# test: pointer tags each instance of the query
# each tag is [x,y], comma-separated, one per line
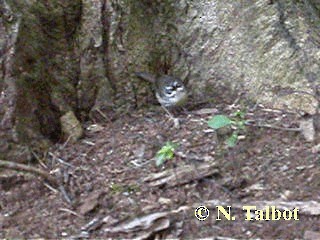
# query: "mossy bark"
[42,68]
[45,68]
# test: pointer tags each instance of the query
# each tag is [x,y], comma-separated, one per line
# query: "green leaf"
[165,153]
[232,140]
[241,125]
[240,114]
[219,121]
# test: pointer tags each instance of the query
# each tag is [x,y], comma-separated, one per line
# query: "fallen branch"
[274,127]
[29,169]
[181,175]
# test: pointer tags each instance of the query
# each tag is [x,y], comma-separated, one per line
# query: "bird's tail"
[146,76]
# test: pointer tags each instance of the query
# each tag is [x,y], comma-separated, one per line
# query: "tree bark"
[59,56]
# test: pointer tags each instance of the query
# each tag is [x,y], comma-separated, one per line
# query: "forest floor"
[113,188]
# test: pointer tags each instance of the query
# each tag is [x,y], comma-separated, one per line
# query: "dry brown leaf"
[90,203]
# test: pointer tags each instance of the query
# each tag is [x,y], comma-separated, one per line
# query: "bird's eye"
[168,91]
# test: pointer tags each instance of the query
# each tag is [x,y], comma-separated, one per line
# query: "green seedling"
[165,153]
[237,122]
[118,188]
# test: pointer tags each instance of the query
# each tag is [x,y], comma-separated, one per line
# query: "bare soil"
[103,175]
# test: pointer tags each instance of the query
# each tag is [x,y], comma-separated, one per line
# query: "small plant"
[165,153]
[118,188]
[236,122]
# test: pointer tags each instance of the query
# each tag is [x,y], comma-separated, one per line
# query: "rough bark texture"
[94,88]
[266,49]
[59,56]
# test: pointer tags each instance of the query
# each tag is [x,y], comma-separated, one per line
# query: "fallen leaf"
[90,203]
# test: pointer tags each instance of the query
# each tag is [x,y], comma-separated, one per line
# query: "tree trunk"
[60,56]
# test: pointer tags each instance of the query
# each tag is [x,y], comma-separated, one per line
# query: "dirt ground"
[108,192]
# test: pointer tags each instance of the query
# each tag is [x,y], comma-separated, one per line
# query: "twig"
[50,188]
[102,114]
[275,127]
[65,143]
[29,169]
[71,212]
[65,194]
[39,160]
[60,160]
[276,110]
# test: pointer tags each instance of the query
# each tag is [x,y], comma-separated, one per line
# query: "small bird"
[170,91]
